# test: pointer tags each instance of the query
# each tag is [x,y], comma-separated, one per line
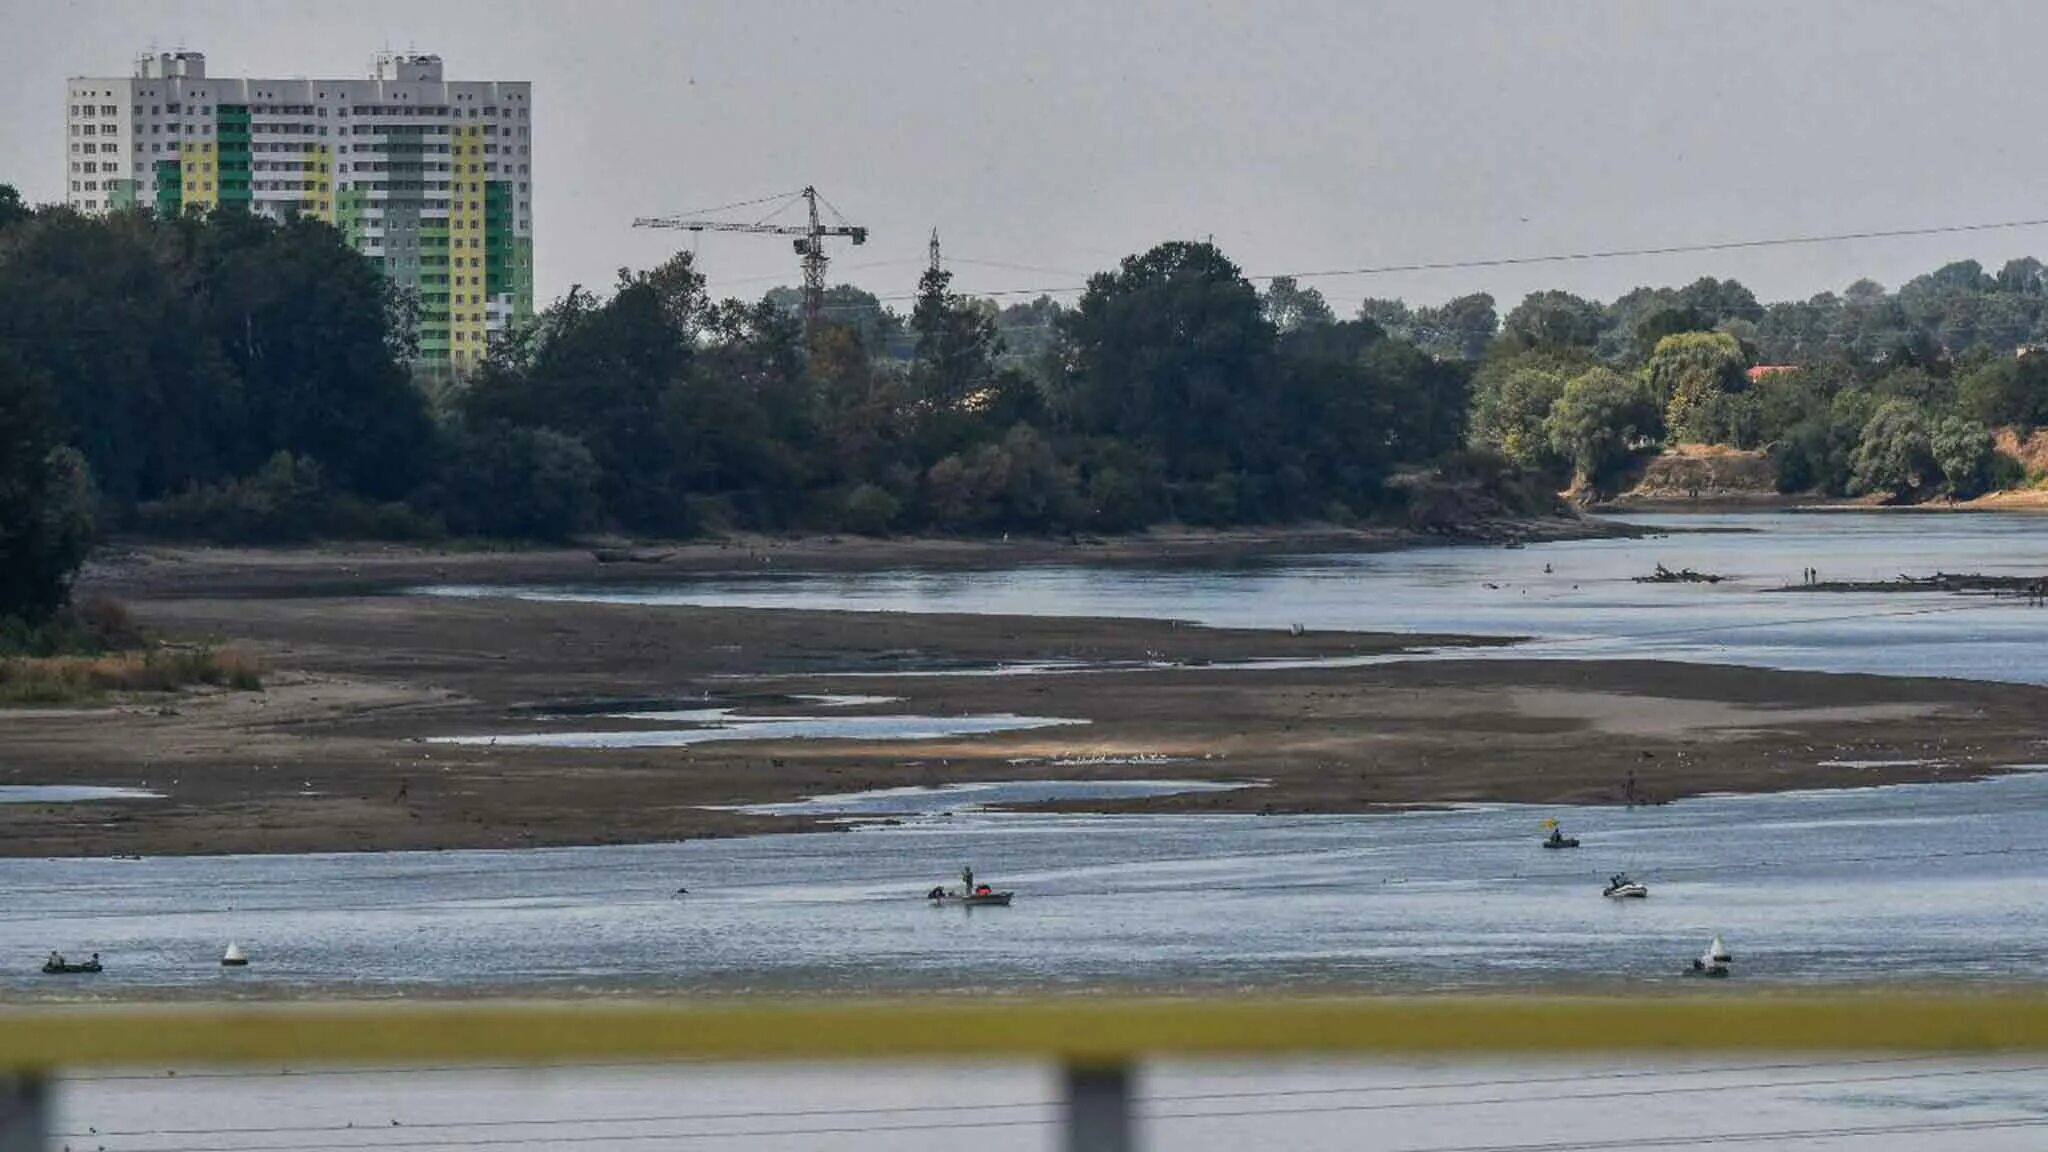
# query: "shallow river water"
[1587,605]
[1912,882]
[1942,881]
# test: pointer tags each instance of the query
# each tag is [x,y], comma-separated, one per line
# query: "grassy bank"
[80,679]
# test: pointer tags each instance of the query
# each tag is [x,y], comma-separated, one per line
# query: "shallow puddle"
[920,801]
[70,794]
[720,724]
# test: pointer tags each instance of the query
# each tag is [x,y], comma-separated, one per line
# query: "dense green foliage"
[1598,417]
[45,497]
[223,377]
[1169,391]
[1892,395]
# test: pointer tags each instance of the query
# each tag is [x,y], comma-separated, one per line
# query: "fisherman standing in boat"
[967,881]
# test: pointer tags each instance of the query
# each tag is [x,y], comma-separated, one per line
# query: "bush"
[1894,456]
[94,626]
[69,679]
[869,509]
[504,480]
[1964,453]
[1597,421]
[287,501]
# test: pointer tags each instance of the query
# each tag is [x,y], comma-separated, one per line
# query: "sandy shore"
[335,753]
[158,570]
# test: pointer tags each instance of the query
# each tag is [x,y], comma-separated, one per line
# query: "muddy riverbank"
[339,753]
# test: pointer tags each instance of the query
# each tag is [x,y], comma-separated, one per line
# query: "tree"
[1555,319]
[878,326]
[301,319]
[2007,392]
[1173,350]
[1964,453]
[1894,457]
[1509,413]
[1393,317]
[45,498]
[1459,328]
[1290,306]
[511,481]
[1597,421]
[12,210]
[1687,373]
[957,344]
[601,372]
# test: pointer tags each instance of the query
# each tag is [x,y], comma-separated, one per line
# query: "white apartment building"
[430,178]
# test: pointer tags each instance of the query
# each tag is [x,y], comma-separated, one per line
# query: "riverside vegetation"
[223,377]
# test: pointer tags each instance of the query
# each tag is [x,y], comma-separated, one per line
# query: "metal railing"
[1098,1040]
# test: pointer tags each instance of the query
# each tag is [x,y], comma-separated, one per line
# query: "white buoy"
[234,957]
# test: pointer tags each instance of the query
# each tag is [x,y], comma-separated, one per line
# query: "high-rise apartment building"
[430,178]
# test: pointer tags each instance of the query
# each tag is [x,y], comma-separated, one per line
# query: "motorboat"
[1620,887]
[234,957]
[1557,839]
[982,896]
[58,966]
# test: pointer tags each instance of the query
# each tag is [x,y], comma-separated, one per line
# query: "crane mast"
[809,243]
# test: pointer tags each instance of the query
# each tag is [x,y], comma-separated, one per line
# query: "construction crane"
[810,237]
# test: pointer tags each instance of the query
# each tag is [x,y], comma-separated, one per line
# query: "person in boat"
[984,890]
[967,879]
[938,893]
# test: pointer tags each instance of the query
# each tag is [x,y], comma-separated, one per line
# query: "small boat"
[981,897]
[1714,962]
[58,966]
[234,957]
[1623,888]
[1558,839]
[1717,952]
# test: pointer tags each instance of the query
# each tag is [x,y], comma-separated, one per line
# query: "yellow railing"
[1096,1038]
[1073,1029]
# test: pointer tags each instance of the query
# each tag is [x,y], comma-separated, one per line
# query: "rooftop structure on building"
[428,177]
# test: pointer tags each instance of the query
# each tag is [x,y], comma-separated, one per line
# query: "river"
[1936,881]
[1576,599]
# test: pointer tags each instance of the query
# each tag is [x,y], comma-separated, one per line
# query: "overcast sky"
[1058,135]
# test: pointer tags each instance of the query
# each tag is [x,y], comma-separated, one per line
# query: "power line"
[1665,250]
[1566,257]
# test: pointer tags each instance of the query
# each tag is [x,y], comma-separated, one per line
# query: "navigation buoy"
[234,957]
[1715,961]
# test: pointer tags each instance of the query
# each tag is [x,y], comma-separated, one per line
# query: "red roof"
[1762,370]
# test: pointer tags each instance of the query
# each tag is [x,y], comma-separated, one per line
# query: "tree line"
[1869,393]
[226,377]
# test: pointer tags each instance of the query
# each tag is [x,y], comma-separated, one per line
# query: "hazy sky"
[1058,135]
